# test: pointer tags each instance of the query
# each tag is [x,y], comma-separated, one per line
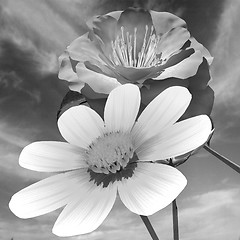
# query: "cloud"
[96,235]
[10,80]
[209,215]
[18,32]
[10,136]
[213,215]
[226,52]
[48,25]
[226,73]
[29,100]
[44,28]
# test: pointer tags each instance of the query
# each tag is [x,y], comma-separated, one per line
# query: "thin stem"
[231,164]
[149,227]
[175,220]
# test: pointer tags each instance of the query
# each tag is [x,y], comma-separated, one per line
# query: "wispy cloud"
[226,73]
[213,215]
[226,52]
[45,31]
[11,136]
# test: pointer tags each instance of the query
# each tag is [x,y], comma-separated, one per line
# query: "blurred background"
[32,36]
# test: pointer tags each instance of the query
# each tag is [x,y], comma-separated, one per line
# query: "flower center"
[110,153]
[124,49]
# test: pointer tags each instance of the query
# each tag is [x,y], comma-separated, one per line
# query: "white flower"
[133,46]
[103,158]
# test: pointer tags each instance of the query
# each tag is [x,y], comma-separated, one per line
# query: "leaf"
[201,103]
[200,80]
[71,99]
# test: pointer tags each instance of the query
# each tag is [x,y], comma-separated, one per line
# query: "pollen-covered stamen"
[110,153]
[124,49]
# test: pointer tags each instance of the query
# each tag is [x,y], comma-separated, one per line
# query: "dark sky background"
[32,36]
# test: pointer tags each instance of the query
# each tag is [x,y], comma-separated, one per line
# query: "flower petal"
[163,111]
[198,46]
[83,49]
[52,157]
[135,18]
[122,107]
[86,212]
[46,195]
[165,21]
[98,82]
[80,125]
[115,14]
[66,73]
[154,88]
[151,188]
[184,69]
[133,74]
[178,139]
[104,26]
[172,41]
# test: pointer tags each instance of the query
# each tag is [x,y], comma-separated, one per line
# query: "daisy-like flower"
[147,48]
[117,155]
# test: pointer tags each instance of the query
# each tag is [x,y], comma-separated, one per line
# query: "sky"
[32,36]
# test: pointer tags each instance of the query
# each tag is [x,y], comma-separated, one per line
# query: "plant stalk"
[231,164]
[175,220]
[149,227]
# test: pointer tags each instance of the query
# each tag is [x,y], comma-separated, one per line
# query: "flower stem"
[149,227]
[231,164]
[175,220]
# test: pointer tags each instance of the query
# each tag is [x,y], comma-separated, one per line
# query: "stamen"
[124,50]
[110,153]
[135,47]
[119,51]
[129,48]
[141,53]
[115,57]
[150,37]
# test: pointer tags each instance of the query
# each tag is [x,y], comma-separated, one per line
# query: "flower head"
[117,155]
[153,50]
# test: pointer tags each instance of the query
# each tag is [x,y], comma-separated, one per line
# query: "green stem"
[175,220]
[231,164]
[149,227]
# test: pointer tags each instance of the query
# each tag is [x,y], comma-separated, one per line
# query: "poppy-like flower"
[153,50]
[117,155]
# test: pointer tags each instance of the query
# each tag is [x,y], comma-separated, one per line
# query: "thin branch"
[175,220]
[231,164]
[149,227]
